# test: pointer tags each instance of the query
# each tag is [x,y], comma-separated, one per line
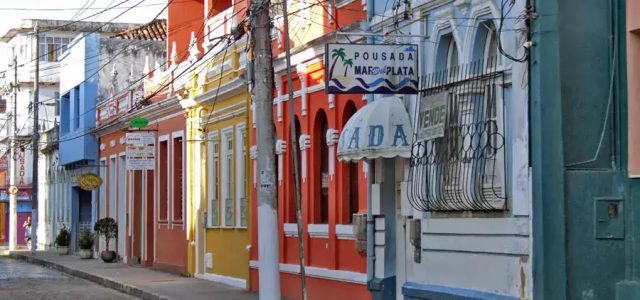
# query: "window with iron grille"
[243,190]
[214,181]
[461,167]
[228,201]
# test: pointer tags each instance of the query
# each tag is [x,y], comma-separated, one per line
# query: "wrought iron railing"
[458,157]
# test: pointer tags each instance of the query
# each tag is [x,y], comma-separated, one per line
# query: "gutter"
[372,174]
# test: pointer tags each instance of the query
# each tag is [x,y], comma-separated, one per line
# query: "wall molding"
[322,273]
[290,229]
[346,232]
[232,281]
[318,231]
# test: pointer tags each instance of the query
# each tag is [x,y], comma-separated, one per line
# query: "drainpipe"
[372,174]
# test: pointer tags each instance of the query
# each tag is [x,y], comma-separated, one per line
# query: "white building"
[20,43]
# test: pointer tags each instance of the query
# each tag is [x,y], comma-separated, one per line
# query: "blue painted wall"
[79,90]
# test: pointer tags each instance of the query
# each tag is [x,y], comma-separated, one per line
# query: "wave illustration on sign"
[372,69]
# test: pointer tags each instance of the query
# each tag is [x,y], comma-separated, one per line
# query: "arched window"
[321,160]
[291,213]
[452,58]
[351,174]
[490,46]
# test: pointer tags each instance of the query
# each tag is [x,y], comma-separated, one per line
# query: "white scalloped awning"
[380,129]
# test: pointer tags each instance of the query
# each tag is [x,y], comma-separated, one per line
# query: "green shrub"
[64,237]
[86,240]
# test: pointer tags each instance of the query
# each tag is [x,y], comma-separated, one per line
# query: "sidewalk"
[139,282]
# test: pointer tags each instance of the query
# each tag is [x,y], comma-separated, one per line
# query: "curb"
[106,282]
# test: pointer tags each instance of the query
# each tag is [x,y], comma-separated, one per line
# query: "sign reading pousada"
[371,69]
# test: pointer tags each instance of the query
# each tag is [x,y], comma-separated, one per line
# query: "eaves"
[149,112]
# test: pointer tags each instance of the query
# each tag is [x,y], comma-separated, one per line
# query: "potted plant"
[107,228]
[62,241]
[85,243]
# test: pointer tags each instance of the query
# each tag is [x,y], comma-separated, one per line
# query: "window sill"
[163,222]
[319,231]
[346,232]
[290,229]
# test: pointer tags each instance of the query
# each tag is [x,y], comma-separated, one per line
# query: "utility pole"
[13,168]
[294,151]
[36,145]
[269,266]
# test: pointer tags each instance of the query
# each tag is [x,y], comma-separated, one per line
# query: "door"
[3,222]
[148,211]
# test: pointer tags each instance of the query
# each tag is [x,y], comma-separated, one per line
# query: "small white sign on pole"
[433,116]
[141,150]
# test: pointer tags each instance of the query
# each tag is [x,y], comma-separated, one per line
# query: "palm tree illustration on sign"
[347,63]
[336,53]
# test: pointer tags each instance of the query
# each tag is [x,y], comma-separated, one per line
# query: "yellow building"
[218,107]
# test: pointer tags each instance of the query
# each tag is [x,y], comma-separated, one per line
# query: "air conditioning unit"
[360,228]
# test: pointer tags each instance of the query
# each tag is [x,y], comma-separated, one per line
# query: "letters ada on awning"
[380,129]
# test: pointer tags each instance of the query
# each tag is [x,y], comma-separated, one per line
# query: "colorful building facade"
[218,106]
[333,194]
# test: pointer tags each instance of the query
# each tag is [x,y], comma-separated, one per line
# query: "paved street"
[19,280]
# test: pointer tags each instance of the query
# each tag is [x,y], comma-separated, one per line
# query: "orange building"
[332,192]
[150,205]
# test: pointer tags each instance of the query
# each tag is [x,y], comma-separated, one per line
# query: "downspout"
[371,177]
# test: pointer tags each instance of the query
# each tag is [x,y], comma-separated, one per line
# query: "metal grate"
[457,161]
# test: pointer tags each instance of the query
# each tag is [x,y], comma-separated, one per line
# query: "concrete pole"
[294,152]
[13,168]
[269,271]
[36,145]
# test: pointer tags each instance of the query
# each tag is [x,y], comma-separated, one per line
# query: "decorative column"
[278,83]
[305,143]
[332,98]
[281,148]
[254,156]
[332,140]
[303,88]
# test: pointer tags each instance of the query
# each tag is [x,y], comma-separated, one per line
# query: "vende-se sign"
[371,69]
[432,117]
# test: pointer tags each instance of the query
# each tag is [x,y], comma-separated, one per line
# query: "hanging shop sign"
[432,117]
[139,122]
[371,69]
[140,150]
[89,181]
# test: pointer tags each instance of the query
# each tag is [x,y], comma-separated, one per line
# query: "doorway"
[137,220]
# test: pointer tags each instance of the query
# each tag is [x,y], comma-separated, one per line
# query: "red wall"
[182,20]
[331,253]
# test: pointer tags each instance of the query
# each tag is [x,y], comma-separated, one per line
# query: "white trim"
[124,202]
[235,282]
[240,176]
[163,138]
[315,88]
[143,209]
[213,137]
[320,231]
[290,229]
[225,133]
[336,275]
[174,136]
[345,232]
[229,115]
